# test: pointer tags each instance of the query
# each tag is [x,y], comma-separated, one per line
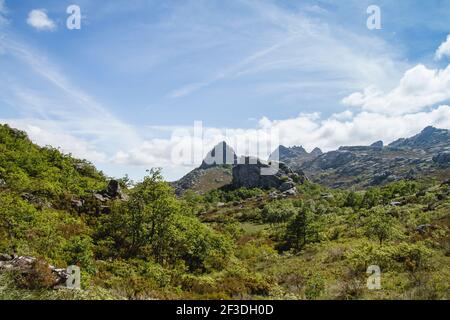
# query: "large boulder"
[254,173]
[112,191]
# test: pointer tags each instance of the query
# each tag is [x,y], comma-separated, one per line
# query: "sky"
[128,90]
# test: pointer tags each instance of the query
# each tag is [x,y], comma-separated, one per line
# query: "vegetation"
[219,245]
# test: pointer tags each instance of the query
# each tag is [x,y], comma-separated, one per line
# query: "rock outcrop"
[25,264]
[112,191]
[265,175]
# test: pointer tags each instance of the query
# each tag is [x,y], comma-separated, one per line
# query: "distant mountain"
[423,155]
[294,156]
[430,139]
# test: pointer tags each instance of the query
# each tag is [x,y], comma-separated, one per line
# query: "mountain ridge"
[424,154]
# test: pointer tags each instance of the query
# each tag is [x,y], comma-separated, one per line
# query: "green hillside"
[252,244]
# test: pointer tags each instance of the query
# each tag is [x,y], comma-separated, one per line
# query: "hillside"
[243,243]
[425,155]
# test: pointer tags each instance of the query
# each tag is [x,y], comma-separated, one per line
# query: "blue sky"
[115,91]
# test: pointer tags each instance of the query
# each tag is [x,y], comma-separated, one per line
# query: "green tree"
[155,224]
[353,200]
[371,198]
[296,231]
[380,224]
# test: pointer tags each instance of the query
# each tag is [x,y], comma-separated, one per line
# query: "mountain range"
[424,155]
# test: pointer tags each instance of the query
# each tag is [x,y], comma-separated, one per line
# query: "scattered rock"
[442,158]
[291,192]
[334,159]
[423,228]
[113,190]
[76,203]
[380,177]
[25,264]
[285,186]
[35,200]
[5,257]
[100,197]
[273,195]
[327,196]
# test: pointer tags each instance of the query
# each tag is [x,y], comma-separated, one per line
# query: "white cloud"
[38,19]
[443,50]
[418,89]
[345,115]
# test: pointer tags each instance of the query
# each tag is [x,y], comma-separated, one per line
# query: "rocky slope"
[294,156]
[423,155]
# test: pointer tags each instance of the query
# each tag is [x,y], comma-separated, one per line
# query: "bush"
[315,287]
[399,257]
[38,277]
[278,212]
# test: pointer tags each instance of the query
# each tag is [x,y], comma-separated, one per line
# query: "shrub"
[315,287]
[39,276]
[278,212]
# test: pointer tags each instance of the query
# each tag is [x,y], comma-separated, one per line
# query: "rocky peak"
[221,154]
[282,153]
[316,152]
[428,138]
[377,144]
